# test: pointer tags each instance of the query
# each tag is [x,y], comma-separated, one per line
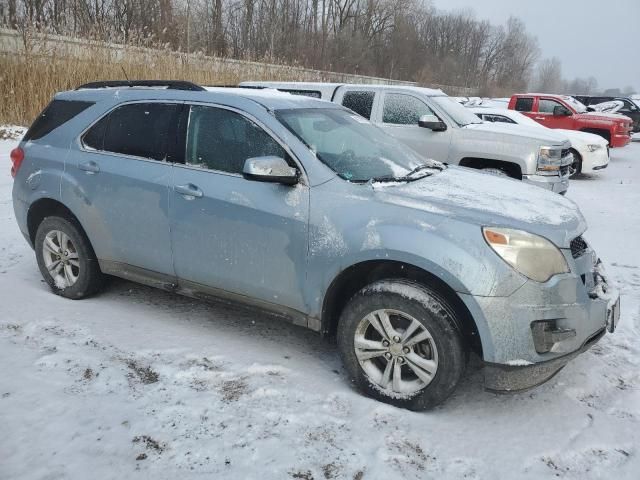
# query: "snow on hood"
[608,107]
[614,116]
[548,135]
[484,199]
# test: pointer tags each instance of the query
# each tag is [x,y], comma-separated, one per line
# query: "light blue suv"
[303,209]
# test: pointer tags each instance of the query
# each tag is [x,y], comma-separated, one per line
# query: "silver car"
[305,210]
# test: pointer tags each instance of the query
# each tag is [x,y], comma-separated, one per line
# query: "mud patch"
[145,375]
[232,390]
[149,443]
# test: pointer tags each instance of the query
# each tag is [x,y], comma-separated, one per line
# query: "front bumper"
[575,310]
[620,140]
[557,183]
[512,379]
[594,161]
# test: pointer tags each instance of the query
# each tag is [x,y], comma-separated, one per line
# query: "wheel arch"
[352,279]
[48,207]
[603,132]
[514,170]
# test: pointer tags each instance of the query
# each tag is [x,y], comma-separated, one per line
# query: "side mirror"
[432,123]
[270,169]
[560,111]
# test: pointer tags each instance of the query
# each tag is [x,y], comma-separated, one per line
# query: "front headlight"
[549,160]
[531,255]
[594,147]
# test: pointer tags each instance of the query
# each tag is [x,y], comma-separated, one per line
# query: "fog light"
[546,334]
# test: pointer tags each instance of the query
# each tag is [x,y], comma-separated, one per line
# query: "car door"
[399,115]
[231,235]
[545,115]
[121,177]
[525,105]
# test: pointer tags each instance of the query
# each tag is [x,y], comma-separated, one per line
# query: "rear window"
[359,102]
[524,104]
[304,93]
[57,113]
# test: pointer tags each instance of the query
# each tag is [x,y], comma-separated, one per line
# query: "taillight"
[17,156]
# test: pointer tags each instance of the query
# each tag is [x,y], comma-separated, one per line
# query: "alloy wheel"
[61,258]
[396,351]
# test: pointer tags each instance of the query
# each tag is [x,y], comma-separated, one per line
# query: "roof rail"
[257,87]
[170,84]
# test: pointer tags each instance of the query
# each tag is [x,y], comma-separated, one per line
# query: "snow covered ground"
[140,383]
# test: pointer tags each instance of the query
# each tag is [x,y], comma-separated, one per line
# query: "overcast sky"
[590,37]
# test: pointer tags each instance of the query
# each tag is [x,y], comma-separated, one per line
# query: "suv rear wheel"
[400,344]
[66,259]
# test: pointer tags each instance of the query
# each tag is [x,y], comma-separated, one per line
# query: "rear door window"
[524,104]
[360,102]
[222,140]
[145,130]
[57,113]
[400,109]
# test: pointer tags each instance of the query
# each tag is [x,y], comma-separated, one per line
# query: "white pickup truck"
[438,127]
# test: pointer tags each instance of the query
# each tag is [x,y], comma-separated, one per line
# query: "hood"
[542,135]
[487,200]
[583,137]
[605,116]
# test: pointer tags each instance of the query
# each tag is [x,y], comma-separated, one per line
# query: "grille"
[578,247]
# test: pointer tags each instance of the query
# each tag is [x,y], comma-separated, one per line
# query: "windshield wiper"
[411,176]
[419,168]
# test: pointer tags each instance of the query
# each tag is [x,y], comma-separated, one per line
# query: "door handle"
[189,191]
[541,118]
[90,167]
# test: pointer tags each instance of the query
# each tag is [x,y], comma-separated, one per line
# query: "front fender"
[453,251]
[495,146]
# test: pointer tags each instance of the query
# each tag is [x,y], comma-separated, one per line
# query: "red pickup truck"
[562,111]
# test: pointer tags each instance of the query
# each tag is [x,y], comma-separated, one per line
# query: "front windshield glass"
[461,115]
[576,104]
[353,147]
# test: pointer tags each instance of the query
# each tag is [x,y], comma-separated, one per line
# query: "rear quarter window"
[524,104]
[360,102]
[57,113]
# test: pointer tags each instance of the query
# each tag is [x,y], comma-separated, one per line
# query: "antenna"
[125,73]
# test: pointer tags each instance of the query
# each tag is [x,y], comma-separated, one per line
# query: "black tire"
[576,166]
[498,172]
[433,313]
[89,277]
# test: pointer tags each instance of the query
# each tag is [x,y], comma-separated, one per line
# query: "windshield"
[354,148]
[577,105]
[461,115]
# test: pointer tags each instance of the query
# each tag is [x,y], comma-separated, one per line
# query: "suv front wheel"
[400,344]
[66,259]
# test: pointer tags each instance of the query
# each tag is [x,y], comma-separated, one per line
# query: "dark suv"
[629,108]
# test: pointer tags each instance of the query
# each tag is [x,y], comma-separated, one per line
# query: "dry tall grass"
[34,66]
[27,82]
